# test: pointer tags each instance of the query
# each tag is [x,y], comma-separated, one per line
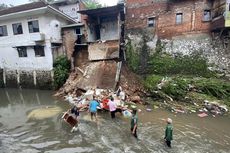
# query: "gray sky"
[18,2]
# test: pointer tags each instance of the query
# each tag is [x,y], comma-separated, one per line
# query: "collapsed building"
[96,48]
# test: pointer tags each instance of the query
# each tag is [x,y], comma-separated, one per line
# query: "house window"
[3,31]
[179,17]
[17,28]
[22,52]
[151,22]
[78,31]
[207,15]
[39,51]
[33,26]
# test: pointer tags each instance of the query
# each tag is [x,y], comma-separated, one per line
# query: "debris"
[148,109]
[202,115]
[193,111]
[127,113]
[179,111]
[80,70]
[136,99]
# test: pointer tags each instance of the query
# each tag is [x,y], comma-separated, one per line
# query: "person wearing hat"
[134,120]
[169,132]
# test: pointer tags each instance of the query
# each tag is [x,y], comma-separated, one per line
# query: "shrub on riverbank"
[180,87]
[61,71]
[195,65]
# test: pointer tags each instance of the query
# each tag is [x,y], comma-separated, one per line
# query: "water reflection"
[51,135]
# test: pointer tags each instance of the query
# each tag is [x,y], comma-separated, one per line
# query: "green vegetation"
[214,87]
[61,71]
[187,65]
[182,87]
[188,77]
[92,4]
[132,57]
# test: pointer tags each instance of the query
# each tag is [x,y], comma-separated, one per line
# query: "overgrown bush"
[194,65]
[176,88]
[61,71]
[214,87]
[151,82]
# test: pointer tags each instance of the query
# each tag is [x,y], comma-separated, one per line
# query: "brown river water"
[30,122]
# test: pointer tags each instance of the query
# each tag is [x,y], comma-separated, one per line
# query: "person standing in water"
[169,132]
[93,108]
[134,120]
[112,107]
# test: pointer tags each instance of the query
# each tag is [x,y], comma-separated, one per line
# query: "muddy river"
[30,122]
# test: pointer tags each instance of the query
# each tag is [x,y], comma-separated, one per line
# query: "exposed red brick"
[138,12]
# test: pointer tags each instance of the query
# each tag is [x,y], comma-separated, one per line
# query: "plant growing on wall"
[133,59]
[61,71]
[92,4]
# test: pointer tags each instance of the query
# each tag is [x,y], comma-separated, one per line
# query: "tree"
[92,4]
[3,6]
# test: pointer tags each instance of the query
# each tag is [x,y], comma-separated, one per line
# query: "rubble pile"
[100,75]
[131,85]
[102,96]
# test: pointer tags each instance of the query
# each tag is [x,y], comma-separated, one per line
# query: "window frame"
[76,30]
[181,19]
[17,24]
[22,53]
[39,53]
[210,15]
[154,22]
[4,33]
[32,29]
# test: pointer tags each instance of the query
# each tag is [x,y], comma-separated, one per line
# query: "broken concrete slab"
[104,50]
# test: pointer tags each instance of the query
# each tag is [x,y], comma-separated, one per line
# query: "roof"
[32,9]
[23,7]
[105,10]
[60,2]
[73,25]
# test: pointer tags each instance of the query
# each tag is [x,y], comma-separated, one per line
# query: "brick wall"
[138,12]
[69,38]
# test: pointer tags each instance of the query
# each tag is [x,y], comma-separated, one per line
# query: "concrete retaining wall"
[213,49]
[26,79]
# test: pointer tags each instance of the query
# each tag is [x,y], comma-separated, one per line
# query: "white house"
[30,37]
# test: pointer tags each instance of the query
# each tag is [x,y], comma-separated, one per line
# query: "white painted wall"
[9,58]
[71,10]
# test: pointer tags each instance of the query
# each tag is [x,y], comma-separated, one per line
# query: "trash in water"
[202,115]
[127,113]
[148,109]
[193,111]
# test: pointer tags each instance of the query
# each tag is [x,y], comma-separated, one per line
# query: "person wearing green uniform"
[169,132]
[134,121]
